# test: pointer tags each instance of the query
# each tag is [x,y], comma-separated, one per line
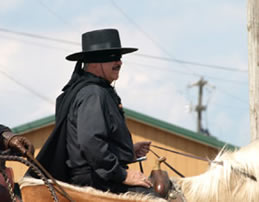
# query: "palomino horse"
[34,190]
[231,177]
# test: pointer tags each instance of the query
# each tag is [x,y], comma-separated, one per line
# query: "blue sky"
[33,70]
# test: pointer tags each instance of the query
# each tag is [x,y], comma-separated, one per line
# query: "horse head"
[233,178]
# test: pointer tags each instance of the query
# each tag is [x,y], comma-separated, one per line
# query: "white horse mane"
[129,196]
[229,182]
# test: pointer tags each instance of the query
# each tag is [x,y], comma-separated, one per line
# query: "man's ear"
[94,68]
[95,65]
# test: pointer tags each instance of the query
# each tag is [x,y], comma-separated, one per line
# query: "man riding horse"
[91,144]
[17,144]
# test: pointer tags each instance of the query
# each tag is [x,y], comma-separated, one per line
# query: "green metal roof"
[185,133]
[34,125]
[162,125]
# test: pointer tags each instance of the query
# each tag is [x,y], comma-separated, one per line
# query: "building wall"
[37,137]
[141,132]
[185,165]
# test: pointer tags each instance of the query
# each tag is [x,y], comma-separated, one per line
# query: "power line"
[27,88]
[34,43]
[233,96]
[144,32]
[164,50]
[230,106]
[135,63]
[180,72]
[186,73]
[55,14]
[159,68]
[191,63]
[141,55]
[75,43]
[139,28]
[145,65]
[40,37]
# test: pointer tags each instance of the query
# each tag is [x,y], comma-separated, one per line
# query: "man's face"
[111,70]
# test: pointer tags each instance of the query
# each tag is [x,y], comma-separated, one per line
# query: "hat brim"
[88,54]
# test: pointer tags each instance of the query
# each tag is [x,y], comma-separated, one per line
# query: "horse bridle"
[242,172]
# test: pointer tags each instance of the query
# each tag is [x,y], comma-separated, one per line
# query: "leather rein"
[37,168]
[244,173]
[57,188]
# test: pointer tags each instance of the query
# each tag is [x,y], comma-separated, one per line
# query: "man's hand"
[136,178]
[141,148]
[18,143]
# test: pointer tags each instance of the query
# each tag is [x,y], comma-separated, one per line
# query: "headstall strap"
[168,165]
[175,193]
[250,176]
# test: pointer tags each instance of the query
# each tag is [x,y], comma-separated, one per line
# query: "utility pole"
[253,65]
[199,108]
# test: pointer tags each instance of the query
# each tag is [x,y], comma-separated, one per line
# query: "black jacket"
[85,135]
[53,154]
[97,136]
[2,129]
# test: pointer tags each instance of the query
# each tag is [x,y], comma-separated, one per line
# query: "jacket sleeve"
[94,141]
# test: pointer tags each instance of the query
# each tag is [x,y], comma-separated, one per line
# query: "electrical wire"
[218,67]
[233,96]
[36,36]
[140,28]
[159,68]
[32,91]
[149,56]
[157,44]
[52,12]
[74,43]
[180,72]
[34,43]
[192,63]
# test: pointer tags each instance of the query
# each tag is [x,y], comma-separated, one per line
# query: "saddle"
[163,185]
[4,190]
[10,174]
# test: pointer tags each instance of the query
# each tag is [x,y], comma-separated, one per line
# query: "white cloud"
[7,50]
[6,6]
[145,85]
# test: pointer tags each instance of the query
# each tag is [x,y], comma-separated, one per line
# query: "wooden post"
[253,65]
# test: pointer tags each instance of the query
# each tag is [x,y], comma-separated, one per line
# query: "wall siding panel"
[142,132]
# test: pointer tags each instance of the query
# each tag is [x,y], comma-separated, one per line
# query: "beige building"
[142,128]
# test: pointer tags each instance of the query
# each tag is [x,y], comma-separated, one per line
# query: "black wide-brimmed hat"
[100,46]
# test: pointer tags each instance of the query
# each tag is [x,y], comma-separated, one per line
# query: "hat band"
[108,58]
